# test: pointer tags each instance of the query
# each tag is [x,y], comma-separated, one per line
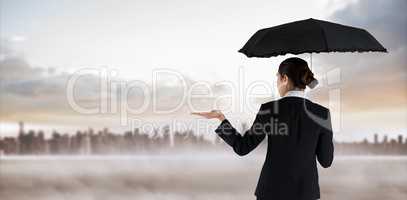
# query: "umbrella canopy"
[309,36]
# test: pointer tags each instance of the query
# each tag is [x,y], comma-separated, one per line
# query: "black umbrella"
[309,36]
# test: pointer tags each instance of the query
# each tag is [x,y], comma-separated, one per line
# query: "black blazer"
[299,132]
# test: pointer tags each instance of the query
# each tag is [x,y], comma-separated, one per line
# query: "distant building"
[376,139]
[385,139]
[400,139]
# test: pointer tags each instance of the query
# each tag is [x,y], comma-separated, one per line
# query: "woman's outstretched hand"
[214,114]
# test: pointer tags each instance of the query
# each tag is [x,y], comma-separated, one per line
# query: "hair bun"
[309,79]
[313,83]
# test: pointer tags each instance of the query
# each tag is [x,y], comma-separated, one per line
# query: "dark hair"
[298,72]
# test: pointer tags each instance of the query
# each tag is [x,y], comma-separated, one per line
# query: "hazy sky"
[200,39]
[43,43]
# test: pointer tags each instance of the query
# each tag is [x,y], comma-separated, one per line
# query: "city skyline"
[207,133]
[159,140]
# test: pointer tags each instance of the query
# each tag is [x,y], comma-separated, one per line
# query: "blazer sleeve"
[243,145]
[325,147]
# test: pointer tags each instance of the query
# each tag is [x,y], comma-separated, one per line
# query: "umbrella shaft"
[310,58]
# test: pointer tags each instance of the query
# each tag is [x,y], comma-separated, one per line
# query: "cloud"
[17,38]
[33,92]
[373,81]
[16,69]
[385,19]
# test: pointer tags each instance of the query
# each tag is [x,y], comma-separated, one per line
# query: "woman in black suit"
[298,131]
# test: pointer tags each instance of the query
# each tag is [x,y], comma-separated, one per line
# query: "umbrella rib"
[323,34]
